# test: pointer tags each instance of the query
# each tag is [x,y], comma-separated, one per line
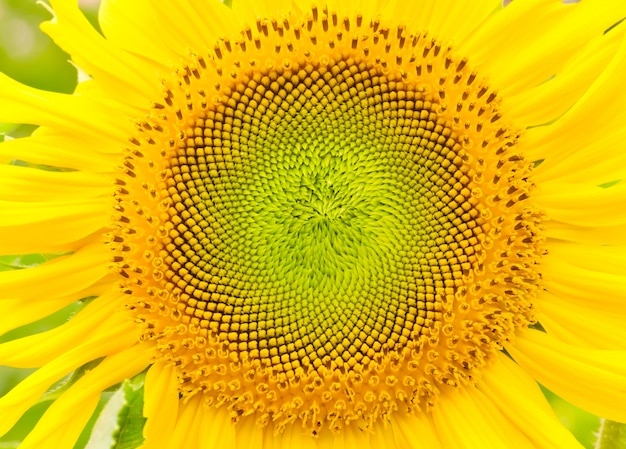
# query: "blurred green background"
[27,55]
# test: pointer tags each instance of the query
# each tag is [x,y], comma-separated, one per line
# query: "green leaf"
[120,425]
[612,435]
[131,419]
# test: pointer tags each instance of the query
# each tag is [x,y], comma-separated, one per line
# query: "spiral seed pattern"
[331,238]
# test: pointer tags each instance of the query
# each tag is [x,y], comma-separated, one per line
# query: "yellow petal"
[411,430]
[592,379]
[249,433]
[61,151]
[547,101]
[216,430]
[355,437]
[81,399]
[584,320]
[199,21]
[465,419]
[73,113]
[558,31]
[295,436]
[586,167]
[448,20]
[50,227]
[519,398]
[23,396]
[57,278]
[132,80]
[249,10]
[583,205]
[587,287]
[38,349]
[608,259]
[133,26]
[383,436]
[187,428]
[590,132]
[18,312]
[31,184]
[589,235]
[160,405]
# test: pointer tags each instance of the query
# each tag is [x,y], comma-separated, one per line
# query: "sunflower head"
[326,220]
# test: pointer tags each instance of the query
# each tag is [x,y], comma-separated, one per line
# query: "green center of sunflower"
[306,235]
[331,239]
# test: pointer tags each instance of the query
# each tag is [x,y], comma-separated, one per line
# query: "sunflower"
[323,224]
